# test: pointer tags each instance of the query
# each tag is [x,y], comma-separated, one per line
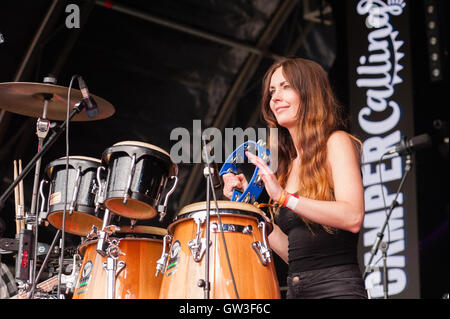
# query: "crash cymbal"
[27,98]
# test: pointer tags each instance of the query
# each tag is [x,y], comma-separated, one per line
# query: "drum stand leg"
[112,268]
[102,234]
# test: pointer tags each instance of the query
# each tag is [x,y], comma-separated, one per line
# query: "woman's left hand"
[271,184]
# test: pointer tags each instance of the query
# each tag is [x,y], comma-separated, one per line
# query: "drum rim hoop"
[143,229]
[143,144]
[222,204]
[81,157]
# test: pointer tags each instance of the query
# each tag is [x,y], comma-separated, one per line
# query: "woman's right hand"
[232,181]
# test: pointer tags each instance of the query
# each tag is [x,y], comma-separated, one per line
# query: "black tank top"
[316,249]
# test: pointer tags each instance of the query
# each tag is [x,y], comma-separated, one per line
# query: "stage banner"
[381,108]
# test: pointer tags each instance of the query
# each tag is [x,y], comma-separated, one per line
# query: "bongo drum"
[244,229]
[137,175]
[81,192]
[140,247]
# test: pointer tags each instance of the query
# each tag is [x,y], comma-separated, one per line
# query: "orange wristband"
[282,198]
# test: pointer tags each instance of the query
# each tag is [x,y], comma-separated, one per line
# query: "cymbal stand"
[205,283]
[42,150]
[42,129]
[28,237]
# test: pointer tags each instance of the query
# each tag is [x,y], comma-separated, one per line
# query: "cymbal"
[27,98]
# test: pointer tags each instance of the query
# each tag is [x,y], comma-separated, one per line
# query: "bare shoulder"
[339,138]
[341,141]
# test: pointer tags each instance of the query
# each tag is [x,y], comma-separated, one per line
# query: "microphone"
[214,169]
[415,143]
[89,102]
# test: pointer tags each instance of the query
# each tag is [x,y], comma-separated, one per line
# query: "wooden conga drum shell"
[253,279]
[136,281]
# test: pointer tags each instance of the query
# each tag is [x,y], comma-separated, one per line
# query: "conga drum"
[137,176]
[81,188]
[252,273]
[140,248]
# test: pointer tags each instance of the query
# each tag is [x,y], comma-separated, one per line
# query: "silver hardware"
[251,148]
[198,245]
[72,278]
[161,264]
[42,126]
[104,233]
[93,233]
[100,195]
[262,249]
[130,177]
[261,143]
[162,209]
[258,181]
[113,267]
[230,170]
[42,214]
[231,228]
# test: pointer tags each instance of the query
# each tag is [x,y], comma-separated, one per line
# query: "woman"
[317,184]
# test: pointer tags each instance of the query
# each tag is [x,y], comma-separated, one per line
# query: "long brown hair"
[319,115]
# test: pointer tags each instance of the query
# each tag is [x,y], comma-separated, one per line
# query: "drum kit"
[212,249]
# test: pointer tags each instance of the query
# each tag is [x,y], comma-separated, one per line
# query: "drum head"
[141,229]
[223,205]
[133,209]
[77,224]
[142,144]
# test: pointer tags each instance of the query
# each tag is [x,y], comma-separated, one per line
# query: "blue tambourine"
[255,186]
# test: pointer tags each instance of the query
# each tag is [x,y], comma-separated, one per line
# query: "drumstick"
[16,198]
[21,196]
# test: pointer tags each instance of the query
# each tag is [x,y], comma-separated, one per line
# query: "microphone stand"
[36,158]
[380,235]
[207,172]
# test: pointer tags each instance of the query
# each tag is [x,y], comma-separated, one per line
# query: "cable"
[61,259]
[220,222]
[225,244]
